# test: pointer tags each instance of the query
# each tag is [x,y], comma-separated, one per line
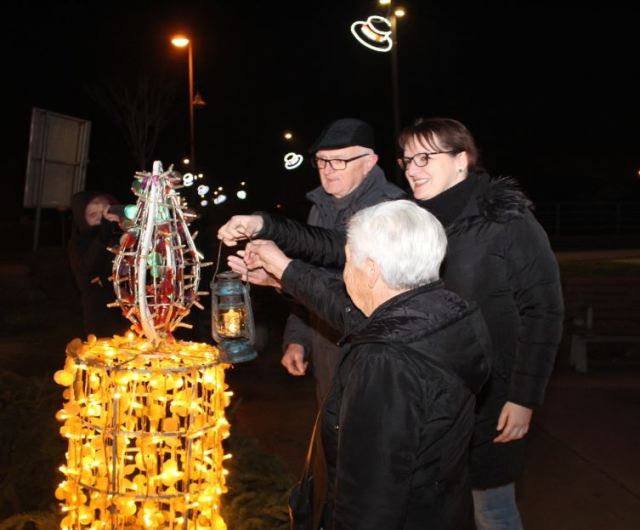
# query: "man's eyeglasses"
[421,159]
[338,164]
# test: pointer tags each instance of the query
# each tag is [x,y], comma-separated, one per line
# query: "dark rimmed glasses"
[420,159]
[337,164]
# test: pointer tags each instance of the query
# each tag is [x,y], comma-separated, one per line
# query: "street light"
[380,34]
[180,42]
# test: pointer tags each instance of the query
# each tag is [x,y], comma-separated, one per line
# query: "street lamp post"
[380,34]
[394,78]
[181,42]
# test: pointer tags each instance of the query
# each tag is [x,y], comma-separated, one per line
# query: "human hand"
[239,227]
[268,256]
[514,422]
[111,217]
[257,275]
[293,359]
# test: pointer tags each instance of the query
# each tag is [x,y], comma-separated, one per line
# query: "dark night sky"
[551,93]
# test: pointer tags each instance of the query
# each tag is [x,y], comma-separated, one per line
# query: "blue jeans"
[496,508]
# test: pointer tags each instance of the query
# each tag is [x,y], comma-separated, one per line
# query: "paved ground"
[584,452]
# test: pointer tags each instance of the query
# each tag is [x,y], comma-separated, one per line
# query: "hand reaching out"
[239,227]
[257,274]
[266,254]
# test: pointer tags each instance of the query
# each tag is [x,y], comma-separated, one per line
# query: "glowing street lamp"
[181,42]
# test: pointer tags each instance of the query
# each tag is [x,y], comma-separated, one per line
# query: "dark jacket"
[397,422]
[307,329]
[499,257]
[90,259]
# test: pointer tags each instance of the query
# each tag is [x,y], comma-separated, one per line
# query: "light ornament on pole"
[292,160]
[380,34]
[203,189]
[375,33]
[187,180]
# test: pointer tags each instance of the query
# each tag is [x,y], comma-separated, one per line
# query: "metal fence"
[573,218]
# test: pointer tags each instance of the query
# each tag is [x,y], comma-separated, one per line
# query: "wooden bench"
[601,310]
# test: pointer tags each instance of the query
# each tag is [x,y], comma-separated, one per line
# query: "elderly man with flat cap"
[350,181]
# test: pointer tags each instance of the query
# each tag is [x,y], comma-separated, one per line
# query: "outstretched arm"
[238,228]
[315,245]
[319,291]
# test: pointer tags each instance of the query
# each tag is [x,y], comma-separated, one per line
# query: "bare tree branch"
[141,111]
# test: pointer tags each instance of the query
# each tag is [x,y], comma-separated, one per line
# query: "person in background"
[396,424]
[350,180]
[94,229]
[499,257]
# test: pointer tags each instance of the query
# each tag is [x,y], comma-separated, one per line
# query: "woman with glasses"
[498,256]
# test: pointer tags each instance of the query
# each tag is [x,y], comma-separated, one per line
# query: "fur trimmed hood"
[498,200]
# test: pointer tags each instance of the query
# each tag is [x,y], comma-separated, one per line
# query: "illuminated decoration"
[292,160]
[219,199]
[188,179]
[375,33]
[203,189]
[156,271]
[242,195]
[204,202]
[144,413]
[145,427]
[232,324]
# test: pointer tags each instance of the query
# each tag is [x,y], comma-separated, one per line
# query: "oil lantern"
[232,324]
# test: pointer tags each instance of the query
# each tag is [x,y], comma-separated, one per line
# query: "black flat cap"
[345,132]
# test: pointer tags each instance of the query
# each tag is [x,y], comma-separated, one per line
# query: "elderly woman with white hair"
[396,423]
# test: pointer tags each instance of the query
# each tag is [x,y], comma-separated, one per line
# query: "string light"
[145,431]
[144,413]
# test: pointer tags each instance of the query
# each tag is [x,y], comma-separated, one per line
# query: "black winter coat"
[90,259]
[499,257]
[398,419]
